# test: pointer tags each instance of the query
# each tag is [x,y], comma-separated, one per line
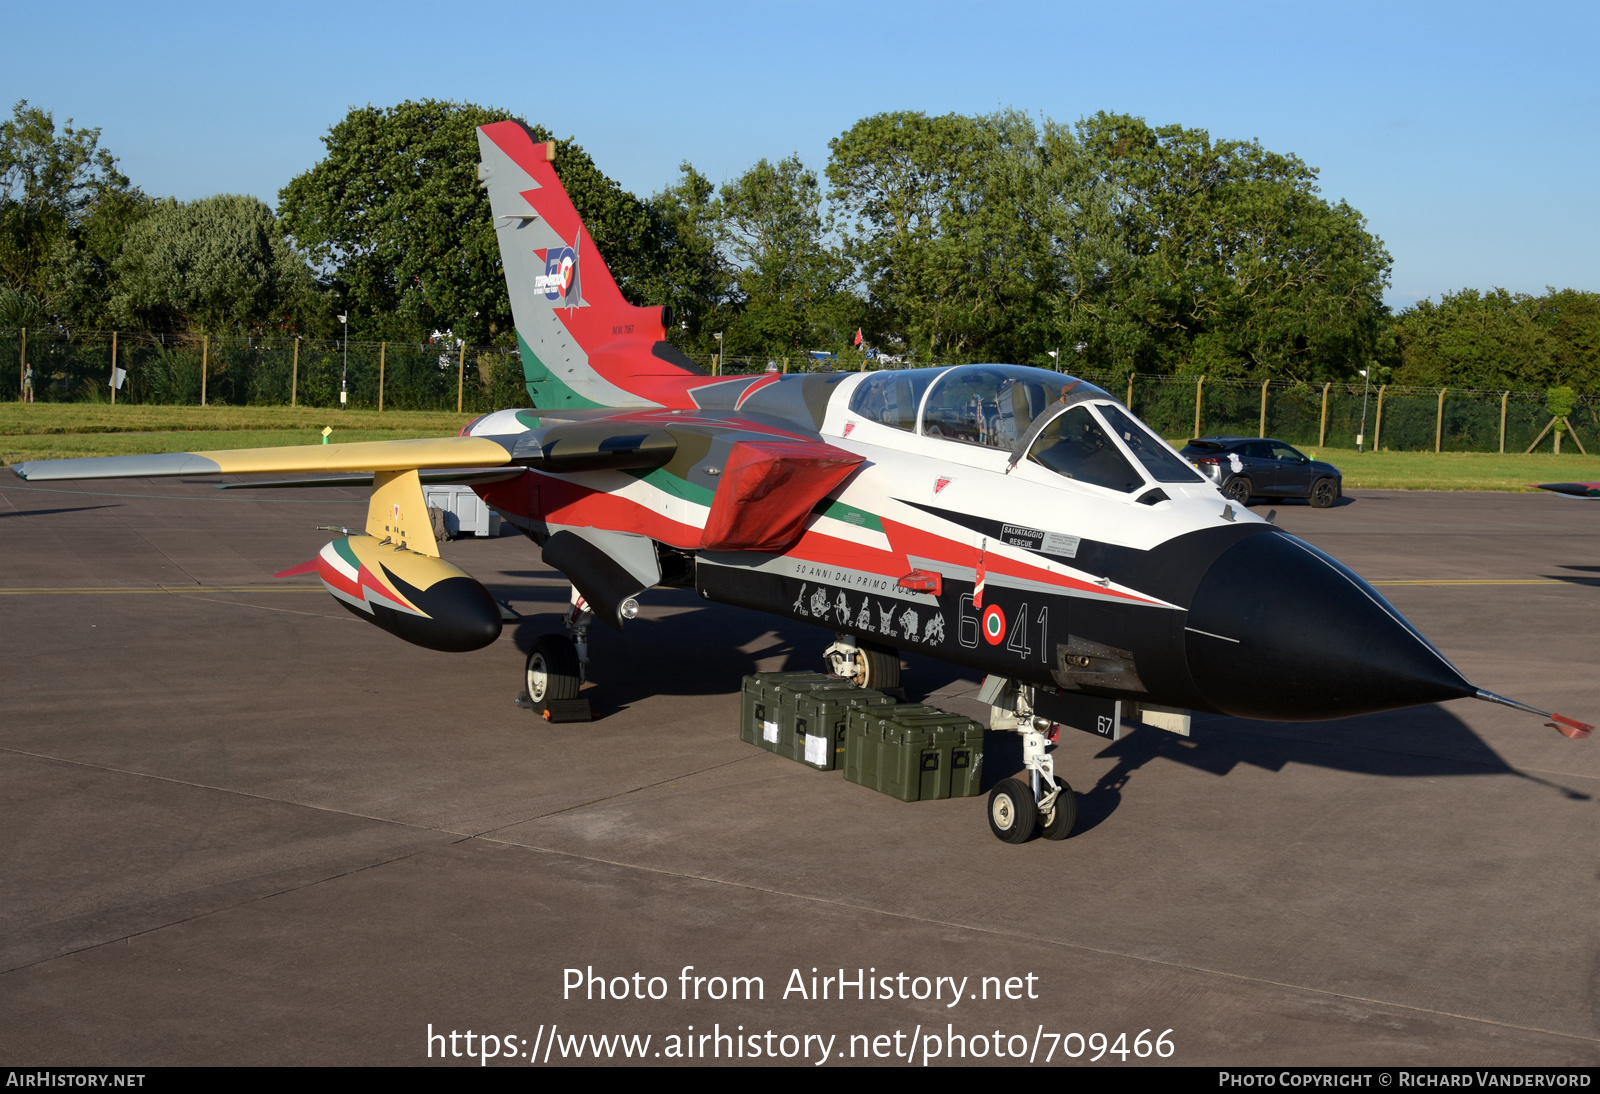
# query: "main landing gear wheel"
[1324,492]
[1058,822]
[553,671]
[878,668]
[1013,814]
[1237,489]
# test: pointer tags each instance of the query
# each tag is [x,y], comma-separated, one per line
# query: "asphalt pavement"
[243,826]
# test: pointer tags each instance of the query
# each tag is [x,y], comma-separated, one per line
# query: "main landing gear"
[557,665]
[864,664]
[1043,804]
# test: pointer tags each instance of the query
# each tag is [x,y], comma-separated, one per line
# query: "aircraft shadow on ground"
[1574,579]
[1422,742]
[698,649]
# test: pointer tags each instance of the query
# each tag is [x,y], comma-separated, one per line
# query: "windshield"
[892,398]
[1075,446]
[991,405]
[1160,461]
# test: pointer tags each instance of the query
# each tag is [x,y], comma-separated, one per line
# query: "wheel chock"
[568,710]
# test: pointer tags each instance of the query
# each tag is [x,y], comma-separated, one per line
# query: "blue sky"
[1467,133]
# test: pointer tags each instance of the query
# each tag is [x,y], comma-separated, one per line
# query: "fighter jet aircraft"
[1012,520]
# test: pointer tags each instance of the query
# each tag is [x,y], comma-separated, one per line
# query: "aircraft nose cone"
[1279,630]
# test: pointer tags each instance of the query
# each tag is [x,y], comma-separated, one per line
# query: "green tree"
[789,278]
[64,210]
[1499,339]
[394,215]
[1247,270]
[896,180]
[215,264]
[690,275]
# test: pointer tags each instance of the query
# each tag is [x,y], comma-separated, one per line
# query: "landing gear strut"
[1045,804]
[863,663]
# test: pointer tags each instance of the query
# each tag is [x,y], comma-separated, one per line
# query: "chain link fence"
[189,370]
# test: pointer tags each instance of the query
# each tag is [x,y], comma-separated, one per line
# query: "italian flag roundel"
[994,625]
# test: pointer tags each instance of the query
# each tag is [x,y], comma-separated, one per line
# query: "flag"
[858,336]
[977,590]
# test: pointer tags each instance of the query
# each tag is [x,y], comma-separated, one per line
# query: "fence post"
[1322,434]
[1264,384]
[22,365]
[113,368]
[205,359]
[1503,399]
[1377,428]
[1438,425]
[383,350]
[461,374]
[1197,385]
[1574,433]
[294,375]
[786,366]
[1129,403]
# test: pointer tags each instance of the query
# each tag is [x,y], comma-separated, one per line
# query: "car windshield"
[1160,461]
[991,405]
[1076,446]
[892,398]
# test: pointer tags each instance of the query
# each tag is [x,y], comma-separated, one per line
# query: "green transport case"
[764,697]
[914,752]
[820,720]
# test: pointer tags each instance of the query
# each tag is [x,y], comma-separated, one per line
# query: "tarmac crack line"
[933,921]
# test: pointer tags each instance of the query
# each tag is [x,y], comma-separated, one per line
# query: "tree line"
[1107,245]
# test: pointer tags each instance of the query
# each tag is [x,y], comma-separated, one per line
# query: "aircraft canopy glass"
[1159,461]
[991,405]
[892,398]
[1076,446]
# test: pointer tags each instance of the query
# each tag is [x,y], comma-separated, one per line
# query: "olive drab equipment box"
[766,706]
[914,752]
[801,715]
[821,720]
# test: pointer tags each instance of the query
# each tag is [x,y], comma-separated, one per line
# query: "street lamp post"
[1055,356]
[344,375]
[722,354]
[1361,434]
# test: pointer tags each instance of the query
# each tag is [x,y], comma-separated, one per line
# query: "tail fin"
[582,343]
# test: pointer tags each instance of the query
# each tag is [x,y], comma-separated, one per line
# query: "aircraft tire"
[1058,823]
[1237,490]
[1324,492]
[553,671]
[880,668]
[1013,814]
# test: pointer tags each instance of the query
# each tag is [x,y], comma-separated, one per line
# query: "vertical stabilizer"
[582,343]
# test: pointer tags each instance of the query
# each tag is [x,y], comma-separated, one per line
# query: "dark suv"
[1248,467]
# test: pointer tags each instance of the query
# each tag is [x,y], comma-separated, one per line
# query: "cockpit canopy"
[1003,406]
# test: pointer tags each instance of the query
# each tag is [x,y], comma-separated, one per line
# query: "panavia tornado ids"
[1015,521]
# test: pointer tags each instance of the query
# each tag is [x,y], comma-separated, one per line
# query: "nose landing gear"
[1044,805]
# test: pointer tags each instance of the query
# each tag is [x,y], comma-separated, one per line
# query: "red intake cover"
[767,491]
